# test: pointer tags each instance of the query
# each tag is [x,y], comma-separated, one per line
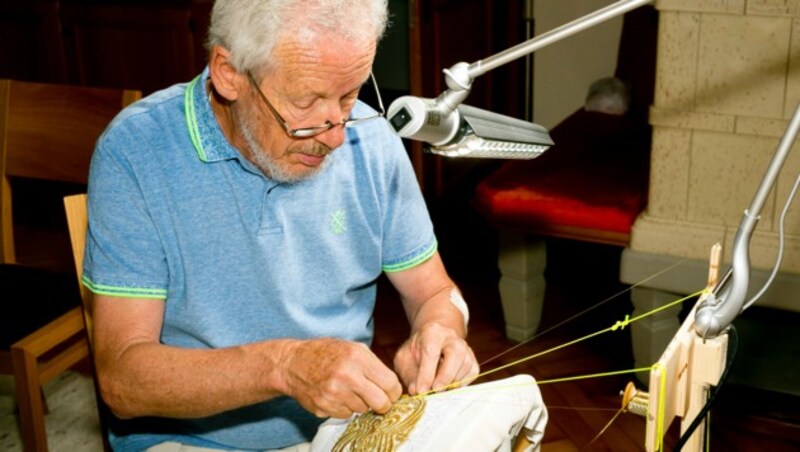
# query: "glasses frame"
[308,132]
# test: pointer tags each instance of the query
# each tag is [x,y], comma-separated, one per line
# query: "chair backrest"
[48,132]
[75,208]
[77,221]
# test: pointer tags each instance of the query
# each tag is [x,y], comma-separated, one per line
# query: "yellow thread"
[627,321]
[635,401]
[618,325]
[469,389]
[661,406]
[621,324]
[474,389]
[655,275]
[577,408]
[602,374]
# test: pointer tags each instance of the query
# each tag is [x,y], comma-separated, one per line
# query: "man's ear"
[227,81]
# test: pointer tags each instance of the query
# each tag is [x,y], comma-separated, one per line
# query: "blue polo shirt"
[177,214]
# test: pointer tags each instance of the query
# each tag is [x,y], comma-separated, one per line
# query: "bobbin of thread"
[634,400]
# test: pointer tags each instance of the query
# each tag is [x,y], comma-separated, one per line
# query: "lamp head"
[467,131]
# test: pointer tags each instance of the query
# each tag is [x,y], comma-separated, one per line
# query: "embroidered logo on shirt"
[338,221]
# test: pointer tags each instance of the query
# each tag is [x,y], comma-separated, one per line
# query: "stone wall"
[727,82]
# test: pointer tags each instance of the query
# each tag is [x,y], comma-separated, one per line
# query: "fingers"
[405,364]
[428,365]
[445,359]
[468,370]
[333,378]
[377,398]
[384,391]
[448,370]
[458,368]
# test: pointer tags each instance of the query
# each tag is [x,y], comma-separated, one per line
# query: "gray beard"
[272,169]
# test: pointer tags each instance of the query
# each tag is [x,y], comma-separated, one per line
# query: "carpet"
[72,423]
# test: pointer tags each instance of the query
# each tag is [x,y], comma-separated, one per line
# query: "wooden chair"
[77,220]
[47,136]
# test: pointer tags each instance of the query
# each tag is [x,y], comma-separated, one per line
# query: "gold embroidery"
[382,432]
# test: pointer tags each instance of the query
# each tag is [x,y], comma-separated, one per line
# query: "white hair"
[250,29]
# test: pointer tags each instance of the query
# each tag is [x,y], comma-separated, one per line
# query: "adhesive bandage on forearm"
[460,304]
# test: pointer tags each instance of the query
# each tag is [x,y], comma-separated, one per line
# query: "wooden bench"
[590,186]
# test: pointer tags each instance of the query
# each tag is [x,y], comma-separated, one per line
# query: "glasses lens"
[308,132]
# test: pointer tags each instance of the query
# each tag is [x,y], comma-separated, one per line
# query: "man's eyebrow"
[352,91]
[357,89]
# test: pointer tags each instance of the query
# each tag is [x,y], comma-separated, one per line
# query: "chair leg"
[30,400]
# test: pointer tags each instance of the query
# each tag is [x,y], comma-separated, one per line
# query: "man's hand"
[434,357]
[335,378]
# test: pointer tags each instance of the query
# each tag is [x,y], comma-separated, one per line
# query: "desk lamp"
[456,130]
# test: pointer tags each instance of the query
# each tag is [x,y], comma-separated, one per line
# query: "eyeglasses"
[308,132]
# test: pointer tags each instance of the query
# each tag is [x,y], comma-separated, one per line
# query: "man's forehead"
[326,47]
[329,61]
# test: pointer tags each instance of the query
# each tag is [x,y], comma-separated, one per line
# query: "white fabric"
[171,446]
[484,417]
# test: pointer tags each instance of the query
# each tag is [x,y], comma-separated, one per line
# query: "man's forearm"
[151,379]
[443,308]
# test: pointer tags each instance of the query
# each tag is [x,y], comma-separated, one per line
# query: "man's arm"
[436,354]
[139,376]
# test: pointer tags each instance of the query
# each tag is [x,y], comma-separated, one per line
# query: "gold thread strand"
[661,405]
[600,433]
[383,433]
[472,389]
[635,401]
[621,324]
[585,311]
[577,408]
[597,375]
[639,406]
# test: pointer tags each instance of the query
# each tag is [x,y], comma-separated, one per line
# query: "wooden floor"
[579,277]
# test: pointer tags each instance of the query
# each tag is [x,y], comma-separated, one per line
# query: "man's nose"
[333,137]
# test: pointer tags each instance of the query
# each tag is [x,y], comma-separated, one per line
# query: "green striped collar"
[207,137]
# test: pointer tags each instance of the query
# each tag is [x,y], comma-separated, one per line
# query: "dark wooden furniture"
[47,135]
[590,186]
[144,45]
[31,41]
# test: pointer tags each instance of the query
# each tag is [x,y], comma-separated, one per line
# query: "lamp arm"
[459,77]
[718,311]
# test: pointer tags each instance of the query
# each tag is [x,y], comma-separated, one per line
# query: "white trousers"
[178,447]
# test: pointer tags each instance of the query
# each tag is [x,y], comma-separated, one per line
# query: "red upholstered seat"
[590,186]
[593,183]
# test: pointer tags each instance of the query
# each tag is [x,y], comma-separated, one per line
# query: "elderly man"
[237,227]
